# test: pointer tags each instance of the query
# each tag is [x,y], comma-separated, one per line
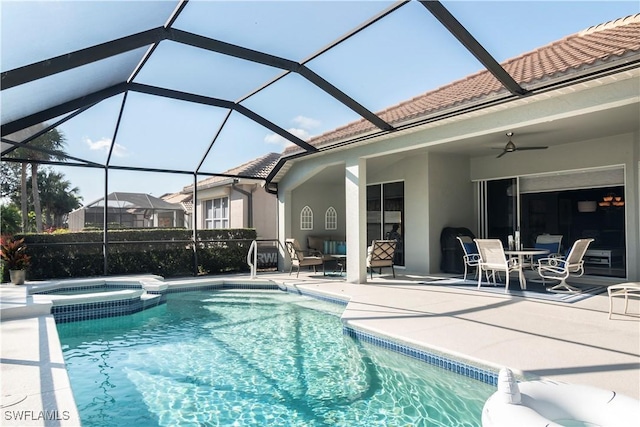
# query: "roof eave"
[547,83]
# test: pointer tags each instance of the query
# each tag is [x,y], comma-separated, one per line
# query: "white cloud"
[276,139]
[301,130]
[104,144]
[306,122]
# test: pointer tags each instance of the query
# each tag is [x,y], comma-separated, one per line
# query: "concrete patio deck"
[570,342]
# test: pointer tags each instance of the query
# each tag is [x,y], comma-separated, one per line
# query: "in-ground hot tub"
[83,299]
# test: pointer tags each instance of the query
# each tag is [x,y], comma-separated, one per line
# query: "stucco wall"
[265,213]
[613,150]
[319,197]
[451,201]
[237,211]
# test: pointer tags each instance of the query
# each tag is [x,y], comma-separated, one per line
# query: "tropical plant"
[45,147]
[13,253]
[10,219]
[9,179]
[57,197]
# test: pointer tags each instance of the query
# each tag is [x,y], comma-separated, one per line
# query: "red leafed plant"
[13,253]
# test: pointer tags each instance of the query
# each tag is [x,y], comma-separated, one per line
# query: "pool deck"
[570,342]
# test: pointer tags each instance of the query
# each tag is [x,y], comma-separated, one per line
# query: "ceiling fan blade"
[531,148]
[502,154]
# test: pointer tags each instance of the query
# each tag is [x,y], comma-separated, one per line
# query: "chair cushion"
[553,248]
[470,248]
[315,243]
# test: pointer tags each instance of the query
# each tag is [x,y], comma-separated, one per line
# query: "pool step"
[152,300]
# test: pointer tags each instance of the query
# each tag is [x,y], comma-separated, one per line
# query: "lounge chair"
[381,254]
[494,260]
[560,268]
[300,258]
[471,256]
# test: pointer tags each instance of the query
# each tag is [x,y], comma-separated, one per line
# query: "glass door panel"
[385,215]
[374,213]
[393,196]
[502,209]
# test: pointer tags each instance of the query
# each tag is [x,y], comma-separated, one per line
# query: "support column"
[284,228]
[355,187]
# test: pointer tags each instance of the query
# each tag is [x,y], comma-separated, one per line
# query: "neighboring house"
[185,200]
[128,210]
[444,165]
[236,199]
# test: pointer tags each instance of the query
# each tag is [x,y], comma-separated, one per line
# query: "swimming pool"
[237,357]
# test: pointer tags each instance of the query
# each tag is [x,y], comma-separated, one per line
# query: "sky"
[400,57]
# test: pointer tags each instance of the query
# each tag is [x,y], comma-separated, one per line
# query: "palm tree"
[57,196]
[48,146]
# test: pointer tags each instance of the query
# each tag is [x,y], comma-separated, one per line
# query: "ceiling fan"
[511,147]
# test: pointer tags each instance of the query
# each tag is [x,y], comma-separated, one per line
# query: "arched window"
[306,219]
[331,219]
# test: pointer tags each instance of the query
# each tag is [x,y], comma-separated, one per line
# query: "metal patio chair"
[560,268]
[300,258]
[493,260]
[381,254]
[471,256]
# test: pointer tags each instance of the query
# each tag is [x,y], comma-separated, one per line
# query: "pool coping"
[457,363]
[460,364]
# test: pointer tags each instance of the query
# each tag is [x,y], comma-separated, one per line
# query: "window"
[331,219]
[306,219]
[216,214]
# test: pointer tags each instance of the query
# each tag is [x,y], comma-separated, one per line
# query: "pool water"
[233,357]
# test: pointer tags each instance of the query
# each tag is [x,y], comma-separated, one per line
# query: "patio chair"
[471,256]
[560,268]
[494,260]
[380,254]
[300,258]
[626,290]
[550,242]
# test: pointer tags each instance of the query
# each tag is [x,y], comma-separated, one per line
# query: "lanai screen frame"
[27,74]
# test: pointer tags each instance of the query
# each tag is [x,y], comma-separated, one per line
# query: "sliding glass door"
[501,207]
[579,214]
[569,205]
[385,215]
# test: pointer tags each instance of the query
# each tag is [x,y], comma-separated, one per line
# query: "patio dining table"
[521,254]
[341,262]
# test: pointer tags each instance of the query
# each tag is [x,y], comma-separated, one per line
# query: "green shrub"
[165,252]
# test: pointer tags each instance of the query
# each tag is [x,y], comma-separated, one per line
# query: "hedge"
[165,252]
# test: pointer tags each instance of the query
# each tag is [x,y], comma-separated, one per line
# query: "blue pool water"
[233,357]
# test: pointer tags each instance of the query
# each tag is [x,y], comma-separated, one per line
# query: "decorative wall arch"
[331,219]
[306,218]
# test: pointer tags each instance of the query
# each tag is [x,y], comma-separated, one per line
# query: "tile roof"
[135,201]
[257,168]
[606,43]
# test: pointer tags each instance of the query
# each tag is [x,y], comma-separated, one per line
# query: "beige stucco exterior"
[263,206]
[439,166]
